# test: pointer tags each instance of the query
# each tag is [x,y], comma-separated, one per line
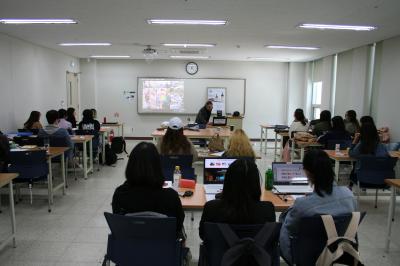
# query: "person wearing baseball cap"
[175,142]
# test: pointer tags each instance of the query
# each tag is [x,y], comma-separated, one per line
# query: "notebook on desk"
[289,178]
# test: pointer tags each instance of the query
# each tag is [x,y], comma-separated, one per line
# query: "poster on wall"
[218,96]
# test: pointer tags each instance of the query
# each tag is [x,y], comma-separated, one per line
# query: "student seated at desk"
[327,198]
[299,124]
[351,122]
[33,121]
[239,145]
[174,142]
[338,132]
[52,130]
[240,200]
[88,122]
[71,116]
[322,125]
[63,123]
[143,189]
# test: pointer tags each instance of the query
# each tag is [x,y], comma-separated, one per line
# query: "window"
[316,99]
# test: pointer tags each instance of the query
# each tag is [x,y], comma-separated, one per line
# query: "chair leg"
[66,172]
[192,216]
[30,193]
[358,194]
[376,198]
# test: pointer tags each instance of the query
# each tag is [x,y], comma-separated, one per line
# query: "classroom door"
[73,91]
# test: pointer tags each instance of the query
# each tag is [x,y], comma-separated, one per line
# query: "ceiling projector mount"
[149,53]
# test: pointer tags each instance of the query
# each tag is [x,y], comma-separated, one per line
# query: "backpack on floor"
[340,250]
[118,145]
[111,157]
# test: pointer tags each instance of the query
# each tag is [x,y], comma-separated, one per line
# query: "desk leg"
[292,144]
[12,213]
[63,171]
[301,154]
[103,148]
[266,141]
[122,129]
[261,139]
[84,161]
[50,184]
[91,154]
[275,147]
[336,170]
[390,217]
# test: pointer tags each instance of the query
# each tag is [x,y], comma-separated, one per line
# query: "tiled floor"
[75,232]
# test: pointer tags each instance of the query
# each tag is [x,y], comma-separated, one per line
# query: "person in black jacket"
[143,189]
[240,200]
[204,114]
[4,153]
[88,122]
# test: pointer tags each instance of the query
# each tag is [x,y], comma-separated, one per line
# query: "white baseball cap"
[175,123]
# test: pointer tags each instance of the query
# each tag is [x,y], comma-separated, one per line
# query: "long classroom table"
[83,139]
[198,199]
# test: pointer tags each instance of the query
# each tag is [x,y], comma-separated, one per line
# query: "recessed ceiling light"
[38,21]
[188,57]
[110,56]
[85,44]
[187,22]
[291,47]
[189,45]
[336,27]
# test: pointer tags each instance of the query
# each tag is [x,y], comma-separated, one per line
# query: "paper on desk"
[217,153]
[294,197]
[18,149]
[167,184]
[210,197]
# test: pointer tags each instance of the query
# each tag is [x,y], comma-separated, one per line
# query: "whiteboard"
[195,93]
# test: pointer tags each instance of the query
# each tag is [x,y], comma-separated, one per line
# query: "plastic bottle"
[176,178]
[269,179]
[337,148]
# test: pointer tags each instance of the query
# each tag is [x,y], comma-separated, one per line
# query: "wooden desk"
[7,178]
[264,137]
[83,139]
[394,184]
[205,152]
[104,133]
[282,135]
[198,200]
[303,145]
[117,125]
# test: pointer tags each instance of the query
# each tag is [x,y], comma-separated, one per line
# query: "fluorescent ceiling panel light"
[189,45]
[268,58]
[85,44]
[38,21]
[187,22]
[291,47]
[336,27]
[188,57]
[110,56]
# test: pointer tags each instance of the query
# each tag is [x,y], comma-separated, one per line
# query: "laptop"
[219,121]
[214,173]
[289,178]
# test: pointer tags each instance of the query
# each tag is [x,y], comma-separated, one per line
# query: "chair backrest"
[168,163]
[374,170]
[34,131]
[311,239]
[215,244]
[142,240]
[331,144]
[29,164]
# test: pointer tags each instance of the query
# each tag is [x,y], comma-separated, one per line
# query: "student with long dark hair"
[88,122]
[33,121]
[143,189]
[300,122]
[71,116]
[240,200]
[351,122]
[327,198]
[323,125]
[174,142]
[366,119]
[338,132]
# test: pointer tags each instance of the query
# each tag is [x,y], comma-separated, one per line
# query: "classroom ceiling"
[252,24]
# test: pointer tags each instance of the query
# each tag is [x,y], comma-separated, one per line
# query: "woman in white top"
[300,123]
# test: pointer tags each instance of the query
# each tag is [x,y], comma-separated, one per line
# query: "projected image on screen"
[163,95]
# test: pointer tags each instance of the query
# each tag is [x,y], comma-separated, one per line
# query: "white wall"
[388,96]
[31,78]
[297,89]
[266,89]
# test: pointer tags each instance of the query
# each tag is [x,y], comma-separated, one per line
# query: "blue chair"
[168,163]
[311,239]
[372,172]
[142,241]
[30,165]
[239,241]
[331,144]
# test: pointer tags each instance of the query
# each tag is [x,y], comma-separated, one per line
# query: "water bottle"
[269,179]
[337,148]
[176,178]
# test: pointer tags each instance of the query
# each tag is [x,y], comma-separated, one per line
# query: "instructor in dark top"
[204,113]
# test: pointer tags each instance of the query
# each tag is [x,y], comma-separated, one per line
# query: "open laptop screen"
[288,173]
[215,169]
[219,121]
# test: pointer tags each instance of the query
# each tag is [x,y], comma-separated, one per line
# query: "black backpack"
[118,145]
[111,157]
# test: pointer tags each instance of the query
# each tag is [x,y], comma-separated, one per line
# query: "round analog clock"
[192,68]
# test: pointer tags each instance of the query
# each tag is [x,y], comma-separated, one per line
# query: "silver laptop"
[289,178]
